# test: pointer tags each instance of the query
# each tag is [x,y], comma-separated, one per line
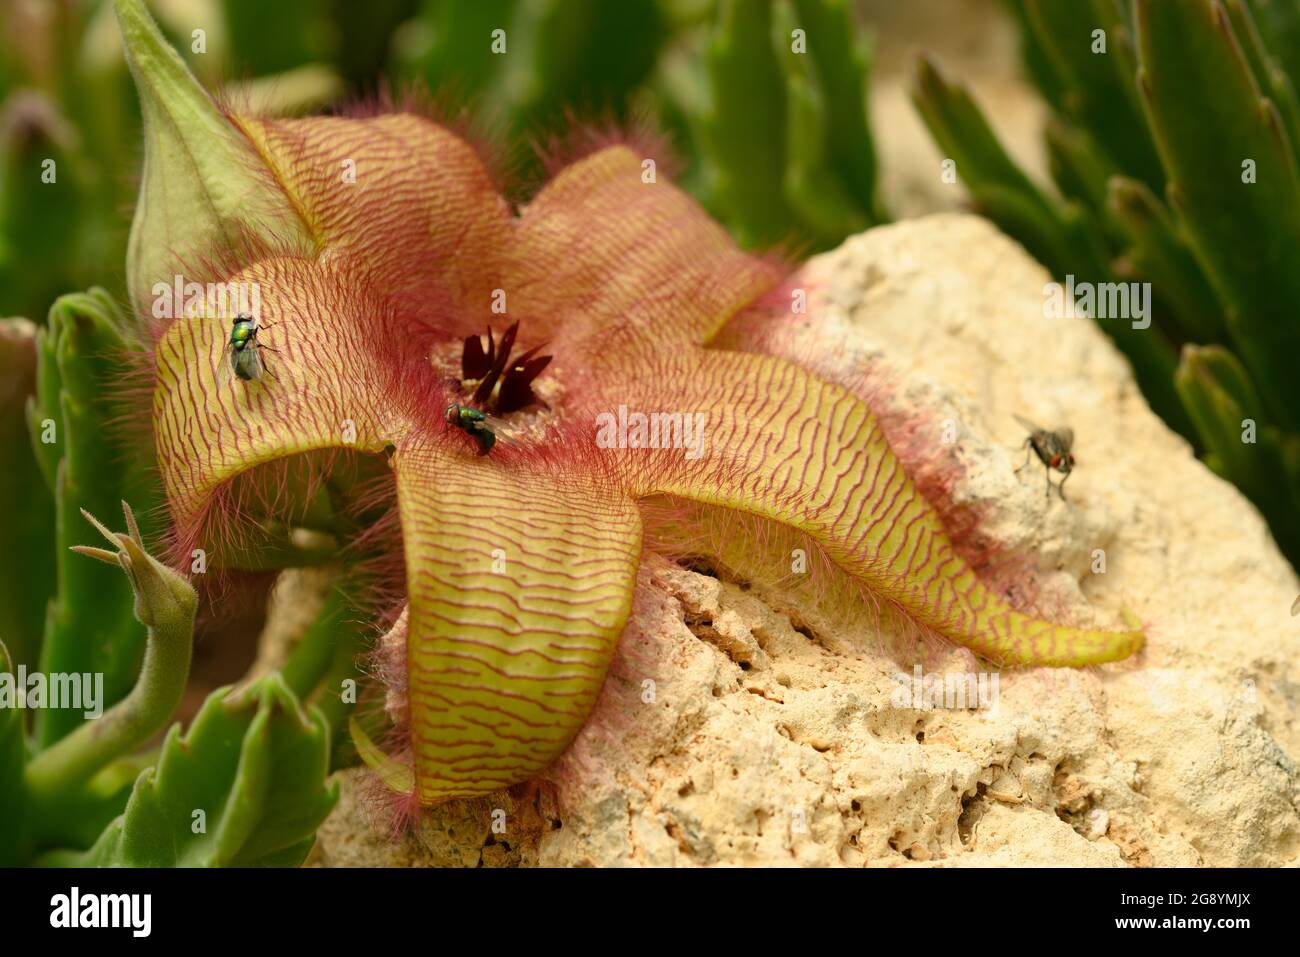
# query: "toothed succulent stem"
[88,626]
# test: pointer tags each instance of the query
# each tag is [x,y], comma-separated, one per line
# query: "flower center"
[502,384]
[487,379]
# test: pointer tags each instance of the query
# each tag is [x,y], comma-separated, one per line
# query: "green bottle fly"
[473,423]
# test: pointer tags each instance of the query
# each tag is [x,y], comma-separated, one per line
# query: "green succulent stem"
[76,758]
[243,787]
[1061,234]
[88,625]
[1233,181]
[321,663]
[166,605]
[1157,252]
[28,580]
[351,642]
[312,656]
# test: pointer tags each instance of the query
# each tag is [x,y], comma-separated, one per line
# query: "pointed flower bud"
[204,185]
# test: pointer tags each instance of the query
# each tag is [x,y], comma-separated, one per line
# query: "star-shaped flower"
[378,246]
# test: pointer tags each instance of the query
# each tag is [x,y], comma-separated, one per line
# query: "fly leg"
[1060,488]
[1028,447]
[263,368]
[255,343]
[259,343]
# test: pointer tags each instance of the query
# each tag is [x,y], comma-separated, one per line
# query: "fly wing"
[1028,426]
[504,432]
[1065,436]
[225,367]
[252,357]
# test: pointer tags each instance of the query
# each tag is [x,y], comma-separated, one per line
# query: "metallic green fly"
[474,424]
[243,351]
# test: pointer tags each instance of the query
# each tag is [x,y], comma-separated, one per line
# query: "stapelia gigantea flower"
[520,564]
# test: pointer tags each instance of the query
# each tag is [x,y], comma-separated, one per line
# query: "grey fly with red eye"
[504,385]
[1052,446]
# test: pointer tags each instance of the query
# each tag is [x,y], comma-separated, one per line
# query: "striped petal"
[784,445]
[601,256]
[325,385]
[400,193]
[519,584]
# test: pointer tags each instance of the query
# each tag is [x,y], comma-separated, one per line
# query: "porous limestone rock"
[734,729]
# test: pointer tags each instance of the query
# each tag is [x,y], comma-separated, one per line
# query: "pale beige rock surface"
[733,733]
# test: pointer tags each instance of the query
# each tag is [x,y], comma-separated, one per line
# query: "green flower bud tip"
[204,186]
[162,596]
